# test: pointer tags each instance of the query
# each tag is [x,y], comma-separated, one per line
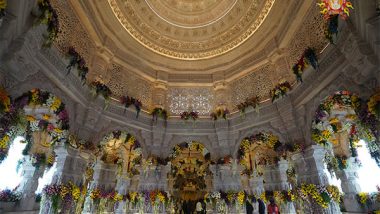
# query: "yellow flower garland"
[4,142]
[241,197]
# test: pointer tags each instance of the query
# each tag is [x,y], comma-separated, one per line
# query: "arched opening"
[350,144]
[190,177]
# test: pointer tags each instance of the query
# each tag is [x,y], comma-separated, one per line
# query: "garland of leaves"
[280,90]
[48,16]
[76,60]
[128,101]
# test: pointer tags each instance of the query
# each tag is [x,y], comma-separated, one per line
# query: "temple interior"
[189,106]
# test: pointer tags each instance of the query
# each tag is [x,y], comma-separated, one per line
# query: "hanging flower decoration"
[374,105]
[194,115]
[118,140]
[3,5]
[50,18]
[267,139]
[9,195]
[99,88]
[5,101]
[308,58]
[159,113]
[76,60]
[280,90]
[220,113]
[127,101]
[335,7]
[224,160]
[241,197]
[331,29]
[254,102]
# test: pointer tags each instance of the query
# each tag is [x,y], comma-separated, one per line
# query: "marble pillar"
[283,166]
[350,186]
[29,184]
[122,186]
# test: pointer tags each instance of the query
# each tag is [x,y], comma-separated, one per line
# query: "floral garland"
[194,115]
[40,159]
[322,195]
[374,105]
[308,58]
[159,112]
[220,113]
[193,146]
[10,196]
[3,5]
[331,29]
[49,17]
[280,90]
[253,101]
[5,101]
[224,160]
[268,139]
[99,88]
[127,101]
[366,199]
[62,195]
[76,60]
[14,123]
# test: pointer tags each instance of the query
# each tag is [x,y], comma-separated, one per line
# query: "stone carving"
[164,45]
[185,99]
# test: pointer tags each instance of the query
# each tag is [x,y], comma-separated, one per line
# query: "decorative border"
[191,56]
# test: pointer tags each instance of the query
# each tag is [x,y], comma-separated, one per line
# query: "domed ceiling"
[248,46]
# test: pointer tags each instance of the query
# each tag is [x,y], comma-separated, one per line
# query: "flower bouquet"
[299,68]
[253,102]
[159,112]
[48,16]
[77,60]
[189,115]
[280,90]
[220,113]
[3,5]
[99,88]
[10,196]
[128,101]
[374,105]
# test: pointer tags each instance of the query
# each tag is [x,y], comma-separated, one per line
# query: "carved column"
[88,204]
[221,94]
[283,166]
[159,93]
[314,158]
[29,184]
[122,185]
[350,186]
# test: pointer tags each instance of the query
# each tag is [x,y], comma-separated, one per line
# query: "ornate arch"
[177,139]
[244,134]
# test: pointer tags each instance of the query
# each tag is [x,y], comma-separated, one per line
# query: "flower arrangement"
[49,17]
[241,197]
[280,90]
[62,195]
[159,112]
[127,101]
[76,60]
[254,102]
[220,113]
[224,160]
[99,88]
[194,115]
[329,8]
[5,101]
[308,57]
[374,105]
[3,5]
[267,139]
[9,195]
[320,194]
[331,29]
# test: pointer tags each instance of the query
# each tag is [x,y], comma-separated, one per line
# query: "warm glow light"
[369,173]
[10,178]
